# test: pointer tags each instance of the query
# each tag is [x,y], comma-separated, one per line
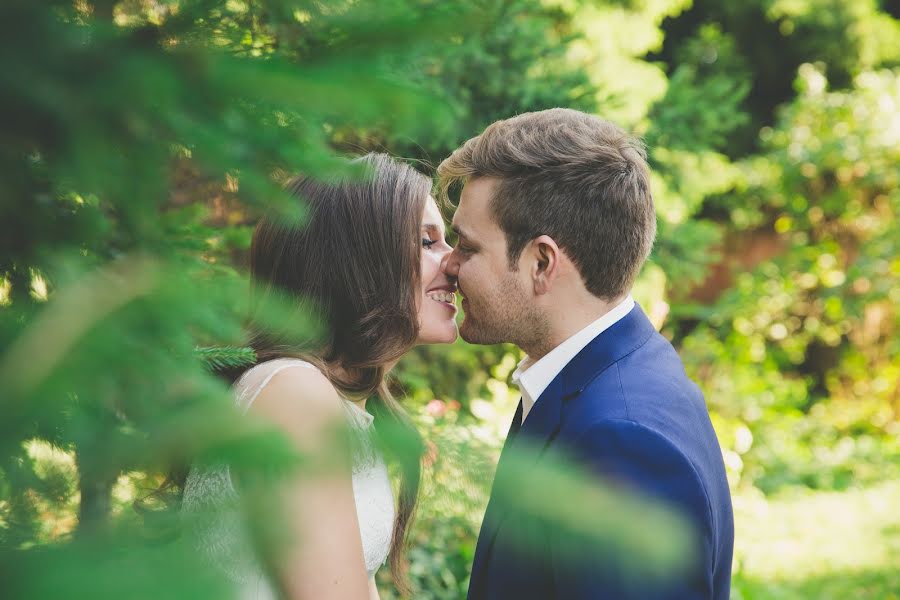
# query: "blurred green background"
[141,139]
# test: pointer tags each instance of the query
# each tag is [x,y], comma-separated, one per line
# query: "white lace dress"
[223,538]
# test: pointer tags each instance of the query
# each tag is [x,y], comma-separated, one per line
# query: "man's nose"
[449,265]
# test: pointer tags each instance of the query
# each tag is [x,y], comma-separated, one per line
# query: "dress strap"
[252,382]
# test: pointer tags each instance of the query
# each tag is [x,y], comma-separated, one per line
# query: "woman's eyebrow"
[432,228]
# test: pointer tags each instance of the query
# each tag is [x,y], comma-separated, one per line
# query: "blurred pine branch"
[218,358]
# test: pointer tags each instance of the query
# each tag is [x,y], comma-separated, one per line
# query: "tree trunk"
[104,10]
[96,498]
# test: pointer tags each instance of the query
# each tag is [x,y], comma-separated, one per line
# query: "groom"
[554,222]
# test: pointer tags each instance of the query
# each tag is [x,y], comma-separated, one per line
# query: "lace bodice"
[209,491]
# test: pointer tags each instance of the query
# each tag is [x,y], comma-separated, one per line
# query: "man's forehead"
[473,210]
[479,189]
[462,222]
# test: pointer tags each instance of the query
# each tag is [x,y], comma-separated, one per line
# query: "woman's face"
[437,304]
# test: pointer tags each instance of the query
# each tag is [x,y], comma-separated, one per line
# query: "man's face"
[496,302]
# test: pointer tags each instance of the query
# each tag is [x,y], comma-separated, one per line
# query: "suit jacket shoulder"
[625,409]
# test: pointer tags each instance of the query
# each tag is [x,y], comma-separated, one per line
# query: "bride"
[369,260]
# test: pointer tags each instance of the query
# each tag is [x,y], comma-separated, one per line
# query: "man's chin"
[473,335]
[466,331]
[468,337]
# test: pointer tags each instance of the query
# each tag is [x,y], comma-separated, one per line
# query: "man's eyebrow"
[459,232]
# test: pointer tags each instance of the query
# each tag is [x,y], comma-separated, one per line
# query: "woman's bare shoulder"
[302,401]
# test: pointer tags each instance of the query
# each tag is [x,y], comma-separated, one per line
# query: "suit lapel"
[488,530]
[536,432]
[534,436]
[542,422]
[545,418]
[621,339]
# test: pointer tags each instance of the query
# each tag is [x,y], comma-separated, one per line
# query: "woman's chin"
[446,334]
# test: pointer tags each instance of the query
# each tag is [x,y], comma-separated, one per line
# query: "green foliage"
[785,553]
[226,358]
[142,139]
[766,41]
[808,334]
[504,58]
[134,134]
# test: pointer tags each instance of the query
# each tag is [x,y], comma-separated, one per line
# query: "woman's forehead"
[431,217]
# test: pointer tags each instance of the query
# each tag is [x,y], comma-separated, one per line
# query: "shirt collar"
[532,377]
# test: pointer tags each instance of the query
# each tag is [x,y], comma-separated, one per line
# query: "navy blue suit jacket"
[625,409]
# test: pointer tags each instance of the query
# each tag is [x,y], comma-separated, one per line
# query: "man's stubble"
[507,317]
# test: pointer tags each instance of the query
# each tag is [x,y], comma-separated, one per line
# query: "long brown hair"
[356,261]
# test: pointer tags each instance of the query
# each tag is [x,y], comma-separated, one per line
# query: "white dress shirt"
[533,377]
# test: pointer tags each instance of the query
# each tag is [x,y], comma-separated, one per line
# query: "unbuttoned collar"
[533,377]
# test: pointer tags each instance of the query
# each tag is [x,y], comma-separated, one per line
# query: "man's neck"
[566,321]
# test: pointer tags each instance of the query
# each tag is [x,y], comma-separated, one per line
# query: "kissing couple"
[554,222]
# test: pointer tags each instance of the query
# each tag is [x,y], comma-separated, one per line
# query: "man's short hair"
[573,176]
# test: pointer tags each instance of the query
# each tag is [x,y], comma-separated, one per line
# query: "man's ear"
[545,263]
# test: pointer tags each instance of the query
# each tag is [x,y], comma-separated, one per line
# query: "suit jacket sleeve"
[624,453]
